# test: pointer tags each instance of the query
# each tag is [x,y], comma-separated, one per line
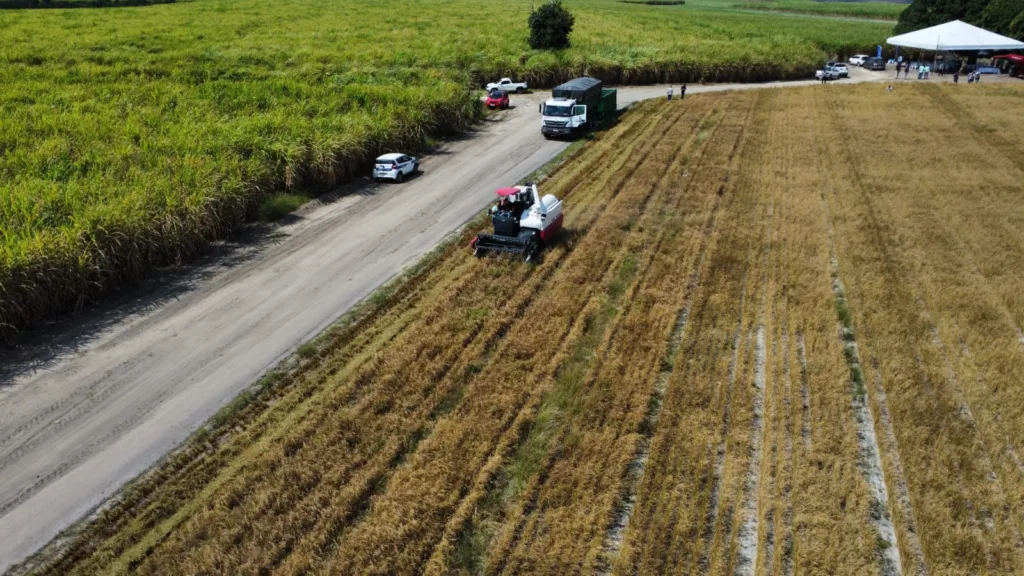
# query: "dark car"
[875,63]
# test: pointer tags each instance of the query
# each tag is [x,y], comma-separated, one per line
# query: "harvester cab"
[523,222]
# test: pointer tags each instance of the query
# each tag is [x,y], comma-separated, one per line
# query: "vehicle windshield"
[550,110]
[497,93]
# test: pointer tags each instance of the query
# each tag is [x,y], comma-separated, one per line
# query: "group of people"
[924,70]
[682,92]
[972,77]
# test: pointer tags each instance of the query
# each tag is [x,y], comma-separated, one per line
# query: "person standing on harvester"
[669,92]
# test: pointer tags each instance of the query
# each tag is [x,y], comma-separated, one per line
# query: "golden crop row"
[926,195]
[752,464]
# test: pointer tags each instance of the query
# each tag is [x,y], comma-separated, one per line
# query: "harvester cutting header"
[523,221]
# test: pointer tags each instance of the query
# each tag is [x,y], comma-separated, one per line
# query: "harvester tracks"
[871,461]
[616,531]
[504,551]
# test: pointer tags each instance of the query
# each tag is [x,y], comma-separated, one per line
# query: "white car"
[828,73]
[841,70]
[858,59]
[507,85]
[394,167]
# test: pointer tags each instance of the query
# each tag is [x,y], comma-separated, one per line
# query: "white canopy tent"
[953,36]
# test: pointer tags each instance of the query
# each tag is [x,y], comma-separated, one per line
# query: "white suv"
[394,167]
[827,73]
[858,59]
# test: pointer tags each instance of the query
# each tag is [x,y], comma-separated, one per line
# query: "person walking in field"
[669,92]
[906,72]
[956,77]
[977,77]
[682,91]
[899,66]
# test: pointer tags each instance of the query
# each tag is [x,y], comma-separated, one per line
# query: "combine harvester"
[523,222]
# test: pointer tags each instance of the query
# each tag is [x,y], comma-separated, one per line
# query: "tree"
[925,13]
[550,26]
[999,14]
[1017,27]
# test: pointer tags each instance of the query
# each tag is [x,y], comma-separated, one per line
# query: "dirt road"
[76,426]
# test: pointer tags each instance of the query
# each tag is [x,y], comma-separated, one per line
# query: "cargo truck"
[576,107]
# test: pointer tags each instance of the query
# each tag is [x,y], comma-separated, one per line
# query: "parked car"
[828,73]
[497,99]
[394,167]
[858,59]
[841,70]
[874,63]
[507,85]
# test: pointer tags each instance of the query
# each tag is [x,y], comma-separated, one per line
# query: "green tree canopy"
[550,26]
[925,13]
[999,15]
[1017,27]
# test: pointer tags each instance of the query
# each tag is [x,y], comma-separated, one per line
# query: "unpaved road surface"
[75,426]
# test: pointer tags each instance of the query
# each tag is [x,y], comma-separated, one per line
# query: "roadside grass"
[132,138]
[278,205]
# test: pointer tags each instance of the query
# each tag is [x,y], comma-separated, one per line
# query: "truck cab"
[575,107]
[563,117]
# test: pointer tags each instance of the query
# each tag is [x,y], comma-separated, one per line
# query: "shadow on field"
[36,349]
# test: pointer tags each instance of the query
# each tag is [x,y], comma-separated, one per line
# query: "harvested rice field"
[782,334]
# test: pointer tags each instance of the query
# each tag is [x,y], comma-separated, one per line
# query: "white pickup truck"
[507,85]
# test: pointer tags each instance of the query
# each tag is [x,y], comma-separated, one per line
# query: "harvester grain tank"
[523,221]
[576,107]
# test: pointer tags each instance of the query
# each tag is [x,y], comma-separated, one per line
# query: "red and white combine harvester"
[523,222]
